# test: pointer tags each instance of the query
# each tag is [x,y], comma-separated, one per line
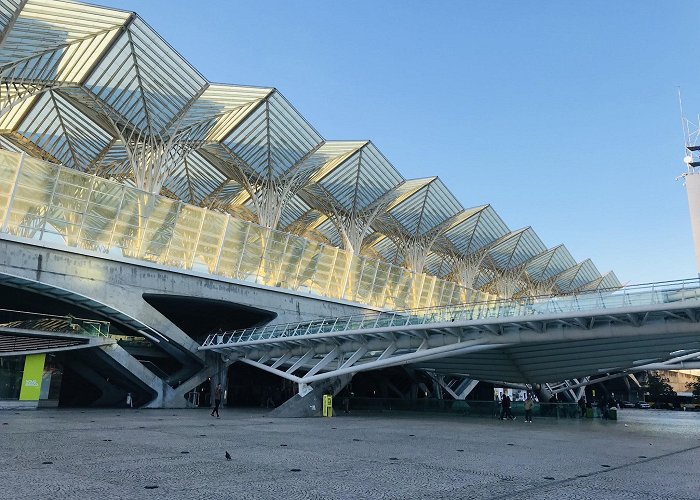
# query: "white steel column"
[692,185]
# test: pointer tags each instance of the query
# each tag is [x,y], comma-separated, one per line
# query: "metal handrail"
[68,323]
[632,295]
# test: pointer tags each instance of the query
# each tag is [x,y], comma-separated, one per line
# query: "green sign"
[31,380]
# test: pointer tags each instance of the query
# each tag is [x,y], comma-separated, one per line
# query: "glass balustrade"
[49,203]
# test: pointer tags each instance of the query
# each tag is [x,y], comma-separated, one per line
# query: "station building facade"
[136,193]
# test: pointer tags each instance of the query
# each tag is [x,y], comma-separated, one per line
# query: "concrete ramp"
[136,370]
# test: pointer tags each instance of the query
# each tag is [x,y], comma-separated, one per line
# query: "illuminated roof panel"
[550,263]
[425,209]
[516,248]
[144,80]
[44,25]
[480,227]
[273,138]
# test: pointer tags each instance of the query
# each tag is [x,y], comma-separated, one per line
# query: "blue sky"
[562,115]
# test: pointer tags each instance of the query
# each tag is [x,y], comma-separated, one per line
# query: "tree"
[658,387]
[694,386]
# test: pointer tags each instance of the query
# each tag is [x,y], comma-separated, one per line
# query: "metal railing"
[641,295]
[25,320]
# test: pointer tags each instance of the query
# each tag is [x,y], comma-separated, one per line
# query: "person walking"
[582,406]
[528,405]
[505,408]
[217,400]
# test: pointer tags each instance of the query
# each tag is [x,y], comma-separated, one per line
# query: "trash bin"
[589,412]
[612,414]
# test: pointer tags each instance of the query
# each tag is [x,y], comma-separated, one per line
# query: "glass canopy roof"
[98,90]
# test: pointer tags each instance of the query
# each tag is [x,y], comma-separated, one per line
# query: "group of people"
[506,412]
[603,404]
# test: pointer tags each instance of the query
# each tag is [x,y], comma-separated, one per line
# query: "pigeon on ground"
[228,457]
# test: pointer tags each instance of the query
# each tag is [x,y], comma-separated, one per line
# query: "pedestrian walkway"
[87,454]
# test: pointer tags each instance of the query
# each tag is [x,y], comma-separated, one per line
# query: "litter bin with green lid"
[612,414]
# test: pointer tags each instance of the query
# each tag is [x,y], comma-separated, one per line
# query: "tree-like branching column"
[268,194]
[419,219]
[466,268]
[260,155]
[416,250]
[352,187]
[544,288]
[353,224]
[508,282]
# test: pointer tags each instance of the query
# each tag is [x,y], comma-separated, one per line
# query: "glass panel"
[308,265]
[25,218]
[391,297]
[185,236]
[252,255]
[233,247]
[381,281]
[274,255]
[426,291]
[320,282]
[415,290]
[339,273]
[367,272]
[103,208]
[131,222]
[210,240]
[9,164]
[291,263]
[403,289]
[11,371]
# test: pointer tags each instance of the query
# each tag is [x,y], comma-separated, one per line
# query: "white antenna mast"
[691,178]
[691,133]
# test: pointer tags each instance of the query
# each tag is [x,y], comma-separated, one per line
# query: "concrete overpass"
[534,341]
[172,311]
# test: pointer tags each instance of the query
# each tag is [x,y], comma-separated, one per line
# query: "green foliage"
[694,387]
[658,387]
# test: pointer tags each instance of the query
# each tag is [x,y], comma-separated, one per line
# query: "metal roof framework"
[98,90]
[354,189]
[461,250]
[415,223]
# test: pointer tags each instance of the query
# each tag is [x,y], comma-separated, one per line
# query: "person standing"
[603,407]
[528,405]
[217,400]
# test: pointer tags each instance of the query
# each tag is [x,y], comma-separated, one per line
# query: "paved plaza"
[103,454]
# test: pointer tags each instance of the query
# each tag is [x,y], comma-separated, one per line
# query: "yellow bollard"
[327,405]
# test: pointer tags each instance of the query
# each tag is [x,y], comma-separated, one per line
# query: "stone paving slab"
[114,454]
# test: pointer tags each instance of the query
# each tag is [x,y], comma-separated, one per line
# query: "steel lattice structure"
[99,91]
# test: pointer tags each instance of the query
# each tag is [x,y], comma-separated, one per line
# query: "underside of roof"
[98,90]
